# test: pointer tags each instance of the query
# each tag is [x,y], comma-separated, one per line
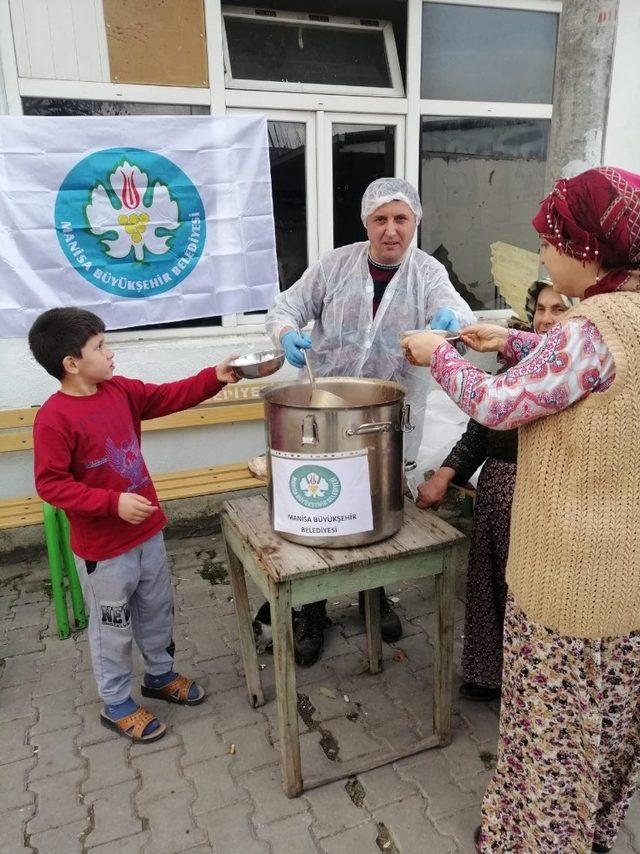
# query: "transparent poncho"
[337,293]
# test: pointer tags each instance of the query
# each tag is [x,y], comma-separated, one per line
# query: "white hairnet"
[384,190]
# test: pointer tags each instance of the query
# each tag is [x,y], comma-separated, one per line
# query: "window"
[474,53]
[268,49]
[287,153]
[481,181]
[75,107]
[361,153]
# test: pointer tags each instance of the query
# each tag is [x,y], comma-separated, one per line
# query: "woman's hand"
[225,372]
[419,348]
[484,337]
[431,492]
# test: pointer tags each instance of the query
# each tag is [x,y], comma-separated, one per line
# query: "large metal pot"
[336,473]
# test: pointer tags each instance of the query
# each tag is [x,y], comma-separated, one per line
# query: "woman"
[569,748]
[486,587]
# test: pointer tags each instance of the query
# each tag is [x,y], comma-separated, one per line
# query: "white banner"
[140,219]
[321,495]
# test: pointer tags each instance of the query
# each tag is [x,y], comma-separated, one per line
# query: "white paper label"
[321,495]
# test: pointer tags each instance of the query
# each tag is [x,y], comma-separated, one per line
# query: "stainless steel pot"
[306,439]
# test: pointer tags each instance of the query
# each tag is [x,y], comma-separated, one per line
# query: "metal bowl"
[446,333]
[253,366]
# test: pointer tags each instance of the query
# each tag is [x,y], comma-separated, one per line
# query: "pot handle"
[366,429]
[405,423]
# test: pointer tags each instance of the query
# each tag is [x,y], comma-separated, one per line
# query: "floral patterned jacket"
[548,374]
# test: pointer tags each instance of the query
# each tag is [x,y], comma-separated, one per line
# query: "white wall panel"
[63,41]
[60,39]
[19,28]
[622,140]
[39,48]
[91,40]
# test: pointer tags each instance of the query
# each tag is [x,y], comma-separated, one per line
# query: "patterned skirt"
[569,747]
[486,587]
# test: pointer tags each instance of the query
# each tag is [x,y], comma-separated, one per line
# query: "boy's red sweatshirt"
[87,452]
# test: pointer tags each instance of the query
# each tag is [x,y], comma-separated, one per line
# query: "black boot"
[389,620]
[600,849]
[308,632]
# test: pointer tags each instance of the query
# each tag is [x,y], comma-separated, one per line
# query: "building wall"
[472,203]
[586,44]
[49,65]
[622,141]
[159,358]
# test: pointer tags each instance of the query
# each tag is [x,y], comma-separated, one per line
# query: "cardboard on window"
[157,42]
[514,270]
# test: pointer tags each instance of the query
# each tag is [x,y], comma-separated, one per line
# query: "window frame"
[326,120]
[311,188]
[220,97]
[495,109]
[520,5]
[396,90]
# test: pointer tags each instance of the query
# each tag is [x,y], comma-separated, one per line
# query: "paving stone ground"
[212,784]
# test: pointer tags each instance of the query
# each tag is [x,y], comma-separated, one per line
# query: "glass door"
[293,185]
[321,164]
[355,150]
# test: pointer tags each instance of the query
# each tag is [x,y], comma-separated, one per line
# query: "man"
[362,297]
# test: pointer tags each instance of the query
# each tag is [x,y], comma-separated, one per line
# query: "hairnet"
[384,190]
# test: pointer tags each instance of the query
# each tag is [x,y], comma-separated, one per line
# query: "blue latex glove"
[445,318]
[293,343]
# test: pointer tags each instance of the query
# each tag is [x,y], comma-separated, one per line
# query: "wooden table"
[289,575]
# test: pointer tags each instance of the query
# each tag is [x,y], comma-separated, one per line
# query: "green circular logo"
[315,487]
[130,222]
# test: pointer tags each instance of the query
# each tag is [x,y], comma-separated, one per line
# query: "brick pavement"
[68,785]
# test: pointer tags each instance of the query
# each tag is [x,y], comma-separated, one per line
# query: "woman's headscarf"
[596,217]
[534,292]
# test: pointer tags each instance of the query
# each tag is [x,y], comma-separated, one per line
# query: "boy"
[87,461]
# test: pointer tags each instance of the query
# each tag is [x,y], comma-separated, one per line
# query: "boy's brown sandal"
[176,691]
[133,726]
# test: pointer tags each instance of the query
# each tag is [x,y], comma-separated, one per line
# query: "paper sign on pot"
[321,495]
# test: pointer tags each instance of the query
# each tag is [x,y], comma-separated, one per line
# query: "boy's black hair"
[62,332]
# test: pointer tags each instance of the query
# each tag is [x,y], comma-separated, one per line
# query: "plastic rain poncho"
[337,292]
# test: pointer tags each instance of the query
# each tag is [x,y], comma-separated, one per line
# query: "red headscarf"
[596,217]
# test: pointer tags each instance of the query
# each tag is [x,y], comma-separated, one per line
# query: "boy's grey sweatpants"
[129,598]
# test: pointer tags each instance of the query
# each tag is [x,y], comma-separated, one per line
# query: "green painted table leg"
[54,552]
[443,665]
[286,695]
[245,629]
[69,566]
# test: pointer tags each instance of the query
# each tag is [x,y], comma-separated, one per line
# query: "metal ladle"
[320,397]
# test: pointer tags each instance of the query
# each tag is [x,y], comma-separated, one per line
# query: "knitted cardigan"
[574,559]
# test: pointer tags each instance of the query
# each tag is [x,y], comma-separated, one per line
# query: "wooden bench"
[226,408]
